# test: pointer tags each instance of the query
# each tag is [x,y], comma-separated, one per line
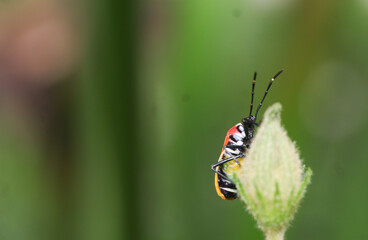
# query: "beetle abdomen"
[227,188]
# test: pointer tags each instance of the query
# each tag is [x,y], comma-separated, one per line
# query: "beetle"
[237,141]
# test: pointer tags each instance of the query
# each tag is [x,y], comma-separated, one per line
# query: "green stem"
[275,235]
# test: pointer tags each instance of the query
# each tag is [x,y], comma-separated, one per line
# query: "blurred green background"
[112,111]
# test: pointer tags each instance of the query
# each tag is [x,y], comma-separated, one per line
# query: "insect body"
[236,143]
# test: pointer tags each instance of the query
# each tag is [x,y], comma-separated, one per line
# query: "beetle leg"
[213,166]
[235,157]
[257,124]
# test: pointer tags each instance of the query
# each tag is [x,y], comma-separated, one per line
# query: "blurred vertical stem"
[275,235]
[107,166]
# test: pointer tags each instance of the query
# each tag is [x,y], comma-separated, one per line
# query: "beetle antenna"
[269,85]
[253,85]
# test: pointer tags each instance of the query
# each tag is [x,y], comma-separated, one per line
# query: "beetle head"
[248,124]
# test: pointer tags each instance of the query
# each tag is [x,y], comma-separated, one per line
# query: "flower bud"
[272,179]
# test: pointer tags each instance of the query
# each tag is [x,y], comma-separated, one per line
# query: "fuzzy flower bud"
[272,179]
